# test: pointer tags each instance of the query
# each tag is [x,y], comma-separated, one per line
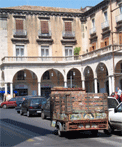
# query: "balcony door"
[44,52]
[19,52]
[68,52]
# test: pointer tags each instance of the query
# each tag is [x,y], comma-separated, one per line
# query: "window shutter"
[44,27]
[120,38]
[19,24]
[68,27]
[106,41]
[102,44]
[90,49]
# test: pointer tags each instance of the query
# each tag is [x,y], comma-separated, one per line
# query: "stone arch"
[102,78]
[74,78]
[89,79]
[25,82]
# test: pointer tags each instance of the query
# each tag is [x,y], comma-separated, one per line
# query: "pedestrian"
[119,94]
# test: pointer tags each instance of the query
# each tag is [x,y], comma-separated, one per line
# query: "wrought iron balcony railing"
[105,25]
[92,31]
[118,18]
[44,34]
[19,32]
[68,34]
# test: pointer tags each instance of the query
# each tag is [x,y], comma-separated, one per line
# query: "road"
[21,131]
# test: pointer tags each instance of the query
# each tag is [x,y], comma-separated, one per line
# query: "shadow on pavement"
[15,132]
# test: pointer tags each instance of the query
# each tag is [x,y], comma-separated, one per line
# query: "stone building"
[37,48]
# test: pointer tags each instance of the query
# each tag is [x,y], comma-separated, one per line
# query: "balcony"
[92,31]
[20,33]
[105,25]
[119,18]
[68,35]
[44,35]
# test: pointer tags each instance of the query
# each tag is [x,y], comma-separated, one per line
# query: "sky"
[75,4]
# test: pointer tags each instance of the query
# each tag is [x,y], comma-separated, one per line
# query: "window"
[68,26]
[44,27]
[68,50]
[106,16]
[46,76]
[19,27]
[120,9]
[44,51]
[93,23]
[19,50]
[20,75]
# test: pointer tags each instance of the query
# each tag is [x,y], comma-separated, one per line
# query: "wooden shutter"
[44,27]
[19,24]
[120,38]
[68,27]
[106,41]
[90,49]
[102,44]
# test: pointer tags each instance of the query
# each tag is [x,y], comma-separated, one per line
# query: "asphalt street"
[21,131]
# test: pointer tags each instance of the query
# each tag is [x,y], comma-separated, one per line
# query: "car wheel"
[21,113]
[109,131]
[43,115]
[28,114]
[4,106]
[18,111]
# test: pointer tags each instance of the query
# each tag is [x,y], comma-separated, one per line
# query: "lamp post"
[71,76]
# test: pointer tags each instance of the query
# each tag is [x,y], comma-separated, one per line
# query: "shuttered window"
[19,24]
[68,27]
[93,47]
[44,27]
[120,38]
[106,41]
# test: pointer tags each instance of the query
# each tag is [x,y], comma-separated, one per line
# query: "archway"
[50,79]
[25,83]
[102,78]
[74,78]
[118,75]
[89,79]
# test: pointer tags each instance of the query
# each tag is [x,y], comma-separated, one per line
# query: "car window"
[38,101]
[119,109]
[13,99]
[112,103]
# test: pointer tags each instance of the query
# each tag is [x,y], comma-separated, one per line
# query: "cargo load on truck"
[72,109]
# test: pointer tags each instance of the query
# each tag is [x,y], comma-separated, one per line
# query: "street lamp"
[71,78]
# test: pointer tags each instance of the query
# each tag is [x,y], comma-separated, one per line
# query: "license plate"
[38,111]
[53,123]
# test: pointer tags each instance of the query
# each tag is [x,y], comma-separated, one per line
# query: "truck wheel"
[109,131]
[4,106]
[28,114]
[21,113]
[43,115]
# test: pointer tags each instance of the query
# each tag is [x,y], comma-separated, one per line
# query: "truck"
[72,109]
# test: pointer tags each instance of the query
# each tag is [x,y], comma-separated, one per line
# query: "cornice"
[41,13]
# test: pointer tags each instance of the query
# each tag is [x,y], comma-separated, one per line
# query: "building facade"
[37,48]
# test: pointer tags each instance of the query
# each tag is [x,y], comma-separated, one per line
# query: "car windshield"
[13,99]
[120,108]
[112,103]
[38,101]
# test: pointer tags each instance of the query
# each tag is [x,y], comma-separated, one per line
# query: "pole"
[112,42]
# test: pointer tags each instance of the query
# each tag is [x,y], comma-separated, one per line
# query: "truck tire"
[43,115]
[21,113]
[109,131]
[4,106]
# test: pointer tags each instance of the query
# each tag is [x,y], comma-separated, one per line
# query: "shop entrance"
[45,91]
[22,92]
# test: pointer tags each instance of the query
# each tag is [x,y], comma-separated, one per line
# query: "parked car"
[115,115]
[9,103]
[32,106]
[20,101]
[46,109]
[114,94]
